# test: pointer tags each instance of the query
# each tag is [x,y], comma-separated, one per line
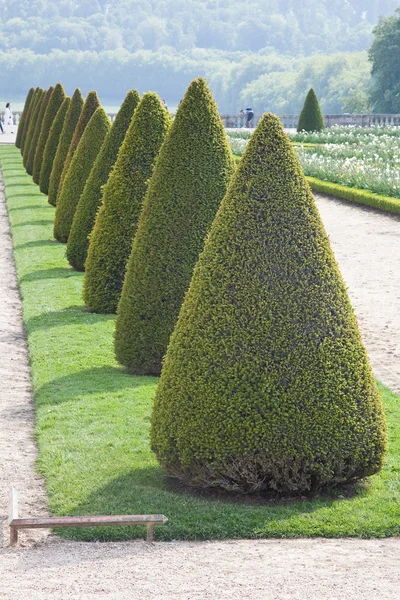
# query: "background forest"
[264,53]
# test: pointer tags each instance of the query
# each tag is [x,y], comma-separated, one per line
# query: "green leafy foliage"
[22,120]
[32,125]
[56,99]
[28,118]
[90,200]
[311,118]
[116,222]
[70,123]
[38,128]
[91,105]
[52,145]
[266,383]
[81,165]
[384,55]
[189,181]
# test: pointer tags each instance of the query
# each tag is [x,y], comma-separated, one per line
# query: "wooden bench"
[16,523]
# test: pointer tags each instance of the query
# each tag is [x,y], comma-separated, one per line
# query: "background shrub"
[28,119]
[266,384]
[91,105]
[116,222]
[311,118]
[22,120]
[79,171]
[56,99]
[52,145]
[190,179]
[37,130]
[90,200]
[70,123]
[32,125]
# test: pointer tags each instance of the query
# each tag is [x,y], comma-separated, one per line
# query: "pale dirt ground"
[367,246]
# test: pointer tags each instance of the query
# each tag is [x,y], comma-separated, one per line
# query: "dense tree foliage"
[385,57]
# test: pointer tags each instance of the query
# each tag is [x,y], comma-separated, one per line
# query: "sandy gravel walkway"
[367,246]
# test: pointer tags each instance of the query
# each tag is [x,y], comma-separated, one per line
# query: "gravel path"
[367,247]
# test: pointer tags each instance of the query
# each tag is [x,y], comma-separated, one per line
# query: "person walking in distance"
[8,118]
[250,116]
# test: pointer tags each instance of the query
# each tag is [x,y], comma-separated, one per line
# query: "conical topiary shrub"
[22,120]
[56,99]
[38,127]
[79,171]
[89,108]
[70,123]
[90,200]
[32,122]
[52,145]
[116,222]
[190,179]
[266,383]
[311,118]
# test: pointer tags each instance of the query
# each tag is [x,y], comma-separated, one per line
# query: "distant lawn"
[92,418]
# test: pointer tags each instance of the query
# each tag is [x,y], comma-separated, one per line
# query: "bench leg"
[150,532]
[13,536]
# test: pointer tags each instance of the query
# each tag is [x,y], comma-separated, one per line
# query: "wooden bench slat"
[92,521]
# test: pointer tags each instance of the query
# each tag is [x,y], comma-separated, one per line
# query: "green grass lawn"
[92,418]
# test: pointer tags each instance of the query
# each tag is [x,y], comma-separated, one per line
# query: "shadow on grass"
[39,222]
[73,315]
[25,206]
[35,244]
[97,380]
[146,490]
[56,273]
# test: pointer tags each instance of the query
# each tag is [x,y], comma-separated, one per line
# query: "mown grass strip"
[92,418]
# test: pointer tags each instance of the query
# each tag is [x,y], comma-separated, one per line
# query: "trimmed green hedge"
[189,181]
[38,128]
[56,100]
[79,171]
[23,120]
[89,108]
[116,222]
[52,145]
[70,123]
[311,118]
[385,203]
[266,383]
[90,200]
[32,122]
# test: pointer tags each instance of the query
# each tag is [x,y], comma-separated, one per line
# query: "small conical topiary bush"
[266,384]
[36,134]
[52,145]
[190,179]
[89,108]
[22,120]
[32,122]
[311,118]
[116,222]
[79,171]
[90,200]
[70,123]
[56,99]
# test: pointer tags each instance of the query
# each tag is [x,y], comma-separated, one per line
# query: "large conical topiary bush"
[266,383]
[28,118]
[56,99]
[116,222]
[90,200]
[89,108]
[70,123]
[311,118]
[38,127]
[22,120]
[190,179]
[52,145]
[32,125]
[79,171]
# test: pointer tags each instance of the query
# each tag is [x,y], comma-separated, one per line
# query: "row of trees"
[229,274]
